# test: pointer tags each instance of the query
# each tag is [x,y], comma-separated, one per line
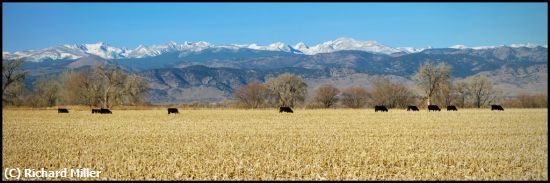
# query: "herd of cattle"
[377,108]
[100,111]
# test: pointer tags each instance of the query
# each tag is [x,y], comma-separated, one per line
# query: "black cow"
[173,110]
[496,107]
[96,111]
[451,108]
[412,107]
[433,108]
[62,110]
[285,109]
[380,108]
[105,111]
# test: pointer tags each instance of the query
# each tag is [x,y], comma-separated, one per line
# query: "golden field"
[334,144]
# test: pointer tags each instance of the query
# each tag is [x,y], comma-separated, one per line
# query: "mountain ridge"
[212,74]
[105,51]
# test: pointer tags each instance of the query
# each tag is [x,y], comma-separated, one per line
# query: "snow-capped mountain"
[105,51]
[68,51]
[54,53]
[528,45]
[142,51]
[351,44]
[278,46]
[206,72]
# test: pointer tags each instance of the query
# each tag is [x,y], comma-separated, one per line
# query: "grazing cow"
[451,108]
[496,107]
[62,110]
[380,108]
[285,109]
[173,110]
[96,111]
[433,108]
[105,111]
[412,107]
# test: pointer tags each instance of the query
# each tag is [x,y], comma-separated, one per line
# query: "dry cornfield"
[335,144]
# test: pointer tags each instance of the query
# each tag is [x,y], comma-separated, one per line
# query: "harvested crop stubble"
[336,144]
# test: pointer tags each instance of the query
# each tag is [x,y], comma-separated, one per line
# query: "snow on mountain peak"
[459,46]
[170,46]
[277,46]
[347,39]
[139,52]
[101,49]
[528,45]
[202,44]
[410,49]
[300,46]
[345,43]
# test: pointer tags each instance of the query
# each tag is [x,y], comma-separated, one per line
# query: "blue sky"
[40,25]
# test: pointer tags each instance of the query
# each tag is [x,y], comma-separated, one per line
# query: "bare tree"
[134,89]
[12,75]
[390,94]
[252,95]
[45,92]
[462,92]
[524,100]
[104,86]
[430,77]
[481,89]
[326,94]
[82,88]
[446,94]
[16,94]
[112,82]
[355,97]
[541,100]
[289,89]
[63,97]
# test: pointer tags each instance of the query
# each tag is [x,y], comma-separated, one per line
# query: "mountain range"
[105,51]
[203,72]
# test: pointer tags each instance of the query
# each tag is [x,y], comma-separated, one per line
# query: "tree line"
[103,86]
[432,80]
[108,86]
